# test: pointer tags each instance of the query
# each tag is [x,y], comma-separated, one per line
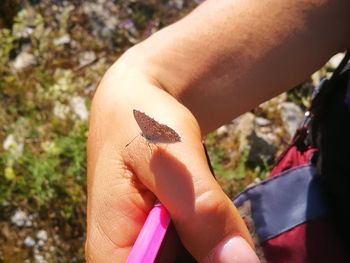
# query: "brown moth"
[153,131]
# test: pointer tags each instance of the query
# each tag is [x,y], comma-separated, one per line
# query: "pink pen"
[151,236]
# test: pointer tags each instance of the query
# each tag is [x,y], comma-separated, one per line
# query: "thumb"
[207,222]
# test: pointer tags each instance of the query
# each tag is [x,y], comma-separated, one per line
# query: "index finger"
[178,174]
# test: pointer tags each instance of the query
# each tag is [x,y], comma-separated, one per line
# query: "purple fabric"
[284,201]
[347,97]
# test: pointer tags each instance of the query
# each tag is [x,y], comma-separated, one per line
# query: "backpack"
[299,213]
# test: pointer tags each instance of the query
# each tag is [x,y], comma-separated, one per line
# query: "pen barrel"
[151,236]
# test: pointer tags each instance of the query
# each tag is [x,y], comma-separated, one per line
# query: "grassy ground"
[52,56]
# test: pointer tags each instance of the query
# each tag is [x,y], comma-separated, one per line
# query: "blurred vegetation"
[52,56]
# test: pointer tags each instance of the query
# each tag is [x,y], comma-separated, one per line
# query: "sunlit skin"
[221,60]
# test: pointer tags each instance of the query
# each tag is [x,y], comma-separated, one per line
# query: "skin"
[221,60]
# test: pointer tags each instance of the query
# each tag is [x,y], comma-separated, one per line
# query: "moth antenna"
[131,141]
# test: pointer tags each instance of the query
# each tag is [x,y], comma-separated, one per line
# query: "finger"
[178,174]
[117,208]
[118,203]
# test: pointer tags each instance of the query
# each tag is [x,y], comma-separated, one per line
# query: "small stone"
[41,243]
[262,121]
[261,151]
[42,235]
[292,116]
[15,147]
[39,259]
[223,130]
[8,142]
[86,57]
[23,60]
[79,108]
[257,180]
[264,129]
[179,4]
[63,40]
[29,221]
[20,219]
[29,242]
[245,128]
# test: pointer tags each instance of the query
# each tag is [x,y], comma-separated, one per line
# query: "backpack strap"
[330,129]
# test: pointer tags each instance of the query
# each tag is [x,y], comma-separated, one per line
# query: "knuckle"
[212,202]
[208,206]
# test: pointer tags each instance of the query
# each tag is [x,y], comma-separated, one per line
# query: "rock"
[8,142]
[79,108]
[39,258]
[21,219]
[256,181]
[179,4]
[86,57]
[262,121]
[11,144]
[261,149]
[41,243]
[63,40]
[292,116]
[223,130]
[245,128]
[29,242]
[41,235]
[23,60]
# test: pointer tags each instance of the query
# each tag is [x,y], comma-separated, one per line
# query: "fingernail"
[233,250]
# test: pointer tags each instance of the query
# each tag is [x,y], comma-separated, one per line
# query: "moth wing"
[172,135]
[154,131]
[145,123]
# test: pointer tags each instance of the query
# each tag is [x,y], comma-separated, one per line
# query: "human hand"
[124,182]
[217,83]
